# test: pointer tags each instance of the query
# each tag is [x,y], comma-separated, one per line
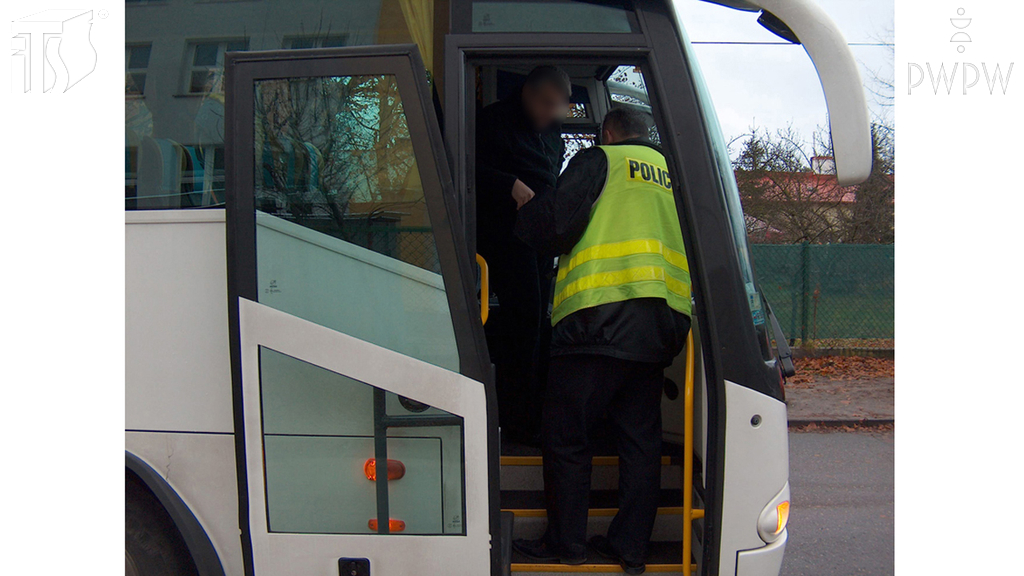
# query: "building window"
[328,41]
[136,60]
[205,74]
[169,139]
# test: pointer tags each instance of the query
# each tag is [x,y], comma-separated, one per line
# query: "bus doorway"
[596,89]
[598,85]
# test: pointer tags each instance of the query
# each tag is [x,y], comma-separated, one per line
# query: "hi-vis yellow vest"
[633,246]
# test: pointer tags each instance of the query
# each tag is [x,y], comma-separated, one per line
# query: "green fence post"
[805,303]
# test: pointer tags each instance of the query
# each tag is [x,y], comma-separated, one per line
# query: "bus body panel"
[764,561]
[756,470]
[201,469]
[177,371]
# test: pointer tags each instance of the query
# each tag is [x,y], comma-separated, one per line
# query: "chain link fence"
[410,244]
[832,295]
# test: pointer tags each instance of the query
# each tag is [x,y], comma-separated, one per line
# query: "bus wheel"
[152,544]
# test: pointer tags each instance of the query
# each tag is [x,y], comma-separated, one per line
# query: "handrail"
[688,512]
[485,289]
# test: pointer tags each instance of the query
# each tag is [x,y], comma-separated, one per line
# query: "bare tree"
[882,81]
[871,217]
[785,201]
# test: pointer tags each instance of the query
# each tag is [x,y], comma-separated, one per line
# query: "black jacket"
[508,148]
[642,329]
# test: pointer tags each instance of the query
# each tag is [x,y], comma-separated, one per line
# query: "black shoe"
[541,551]
[603,546]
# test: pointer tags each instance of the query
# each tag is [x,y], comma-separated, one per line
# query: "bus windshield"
[730,199]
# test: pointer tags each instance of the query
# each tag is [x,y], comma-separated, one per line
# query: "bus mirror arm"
[806,23]
[785,354]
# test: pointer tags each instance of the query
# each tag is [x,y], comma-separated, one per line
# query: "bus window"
[317,424]
[174,94]
[343,237]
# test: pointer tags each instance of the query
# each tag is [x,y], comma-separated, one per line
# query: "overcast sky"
[774,86]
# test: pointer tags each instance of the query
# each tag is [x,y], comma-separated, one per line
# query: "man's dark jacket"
[641,329]
[508,148]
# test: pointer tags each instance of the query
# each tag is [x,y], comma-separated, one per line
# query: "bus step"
[663,557]
[597,568]
[530,503]
[593,512]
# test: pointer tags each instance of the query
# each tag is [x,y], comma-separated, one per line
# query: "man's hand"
[521,193]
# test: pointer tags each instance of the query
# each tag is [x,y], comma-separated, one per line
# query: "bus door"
[361,410]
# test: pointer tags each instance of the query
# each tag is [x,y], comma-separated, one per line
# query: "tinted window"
[731,203]
[318,438]
[343,238]
[174,55]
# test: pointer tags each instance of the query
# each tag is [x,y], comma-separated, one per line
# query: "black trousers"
[583,389]
[519,331]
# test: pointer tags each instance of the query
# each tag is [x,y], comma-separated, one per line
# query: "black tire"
[152,544]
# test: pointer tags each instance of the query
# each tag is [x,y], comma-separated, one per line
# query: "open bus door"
[361,413]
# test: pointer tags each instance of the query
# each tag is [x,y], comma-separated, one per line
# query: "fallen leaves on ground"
[867,427]
[841,368]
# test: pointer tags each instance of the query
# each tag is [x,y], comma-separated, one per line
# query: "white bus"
[309,388]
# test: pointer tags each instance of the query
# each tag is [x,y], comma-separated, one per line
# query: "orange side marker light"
[393,525]
[396,469]
[782,511]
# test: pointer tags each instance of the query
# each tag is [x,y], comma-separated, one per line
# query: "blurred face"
[545,104]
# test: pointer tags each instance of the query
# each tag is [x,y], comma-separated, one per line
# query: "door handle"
[485,289]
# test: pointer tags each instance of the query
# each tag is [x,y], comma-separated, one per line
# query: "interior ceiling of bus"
[575,71]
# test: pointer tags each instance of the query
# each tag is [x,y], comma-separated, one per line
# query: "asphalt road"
[841,521]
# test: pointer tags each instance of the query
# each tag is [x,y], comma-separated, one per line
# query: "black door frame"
[710,244]
[403,62]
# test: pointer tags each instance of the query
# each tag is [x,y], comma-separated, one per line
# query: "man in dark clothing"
[519,154]
[621,314]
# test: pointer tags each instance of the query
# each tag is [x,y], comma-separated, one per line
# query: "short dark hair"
[626,121]
[552,75]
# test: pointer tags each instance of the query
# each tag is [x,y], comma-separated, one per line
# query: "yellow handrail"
[688,515]
[485,289]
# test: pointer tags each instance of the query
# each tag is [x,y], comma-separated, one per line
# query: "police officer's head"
[546,95]
[623,123]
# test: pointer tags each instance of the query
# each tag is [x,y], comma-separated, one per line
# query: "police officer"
[621,313]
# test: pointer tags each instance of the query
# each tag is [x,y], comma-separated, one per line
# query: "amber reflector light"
[393,525]
[395,469]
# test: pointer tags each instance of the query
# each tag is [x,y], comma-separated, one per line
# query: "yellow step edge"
[540,512]
[598,461]
[592,568]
